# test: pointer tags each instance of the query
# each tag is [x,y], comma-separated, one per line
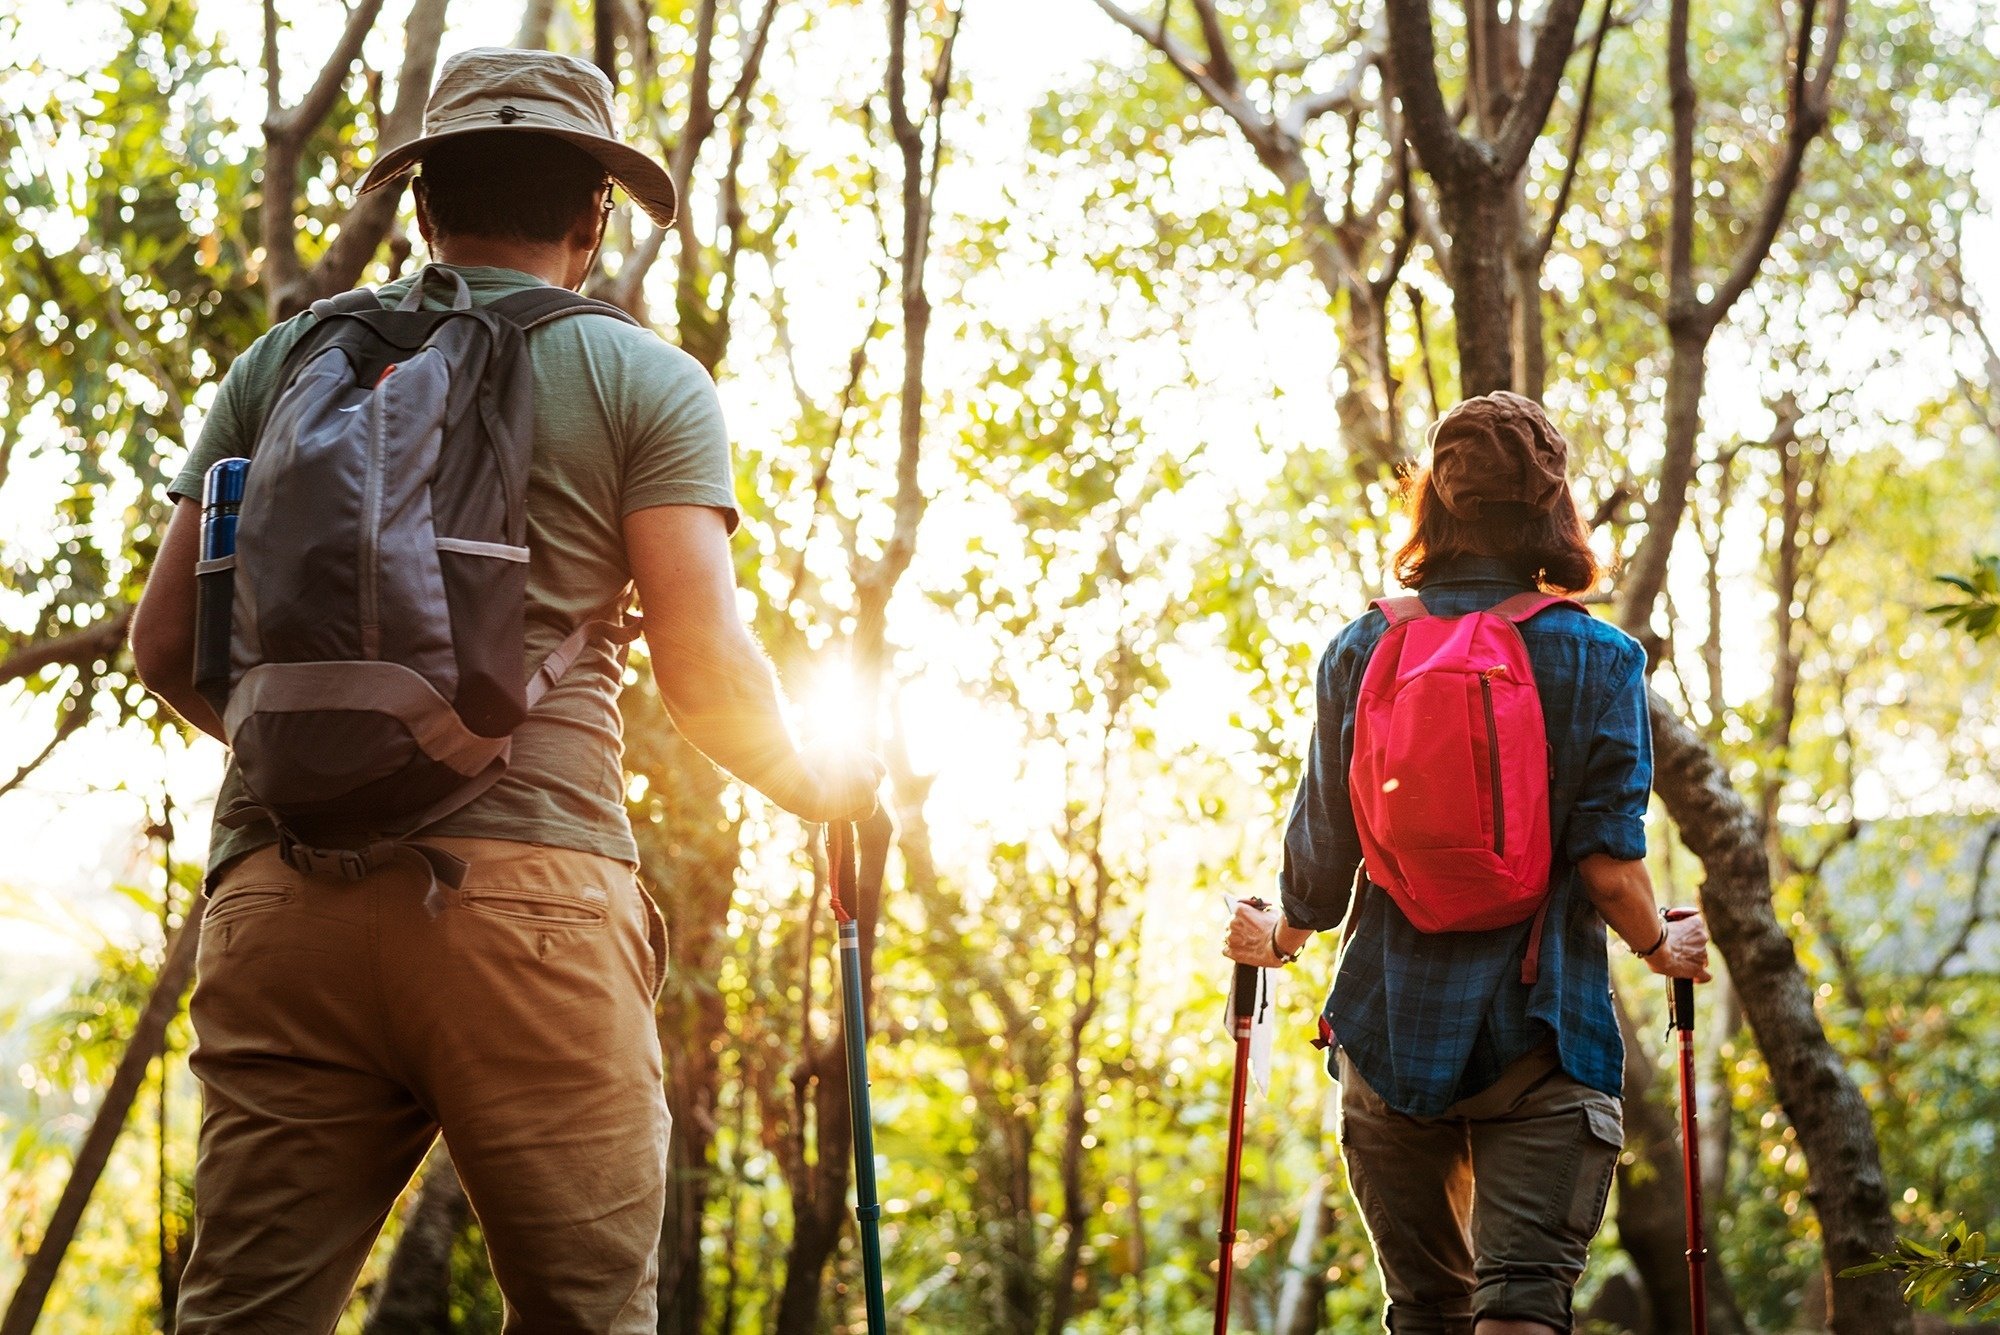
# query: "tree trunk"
[1478,219]
[1646,575]
[416,1294]
[819,1204]
[1531,358]
[1844,1177]
[687,843]
[1302,1295]
[536,15]
[149,1038]
[1076,1206]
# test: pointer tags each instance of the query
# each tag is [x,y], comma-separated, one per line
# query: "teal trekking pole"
[842,874]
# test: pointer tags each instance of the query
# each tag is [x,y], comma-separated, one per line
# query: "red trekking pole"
[1242,1011]
[1681,1016]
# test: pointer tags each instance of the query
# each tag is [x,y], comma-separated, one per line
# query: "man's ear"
[586,238]
[588,234]
[420,192]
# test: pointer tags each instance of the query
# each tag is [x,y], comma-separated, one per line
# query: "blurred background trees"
[1072,350]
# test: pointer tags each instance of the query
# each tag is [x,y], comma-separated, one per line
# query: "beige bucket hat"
[540,92]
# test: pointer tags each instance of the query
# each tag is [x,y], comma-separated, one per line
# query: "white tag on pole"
[1263,1026]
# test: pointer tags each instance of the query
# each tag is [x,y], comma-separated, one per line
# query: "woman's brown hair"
[1551,548]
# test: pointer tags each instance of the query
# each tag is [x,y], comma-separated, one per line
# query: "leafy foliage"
[1957,1265]
[1978,613]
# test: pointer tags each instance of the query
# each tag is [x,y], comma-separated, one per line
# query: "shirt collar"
[1476,570]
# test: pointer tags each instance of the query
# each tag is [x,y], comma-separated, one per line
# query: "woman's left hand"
[1249,938]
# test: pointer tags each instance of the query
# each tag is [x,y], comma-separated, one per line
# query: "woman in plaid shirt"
[1480,1115]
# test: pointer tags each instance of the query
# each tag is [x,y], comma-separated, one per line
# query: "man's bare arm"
[163,623]
[716,681]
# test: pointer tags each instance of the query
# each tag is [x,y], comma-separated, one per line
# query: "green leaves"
[1959,1265]
[1978,614]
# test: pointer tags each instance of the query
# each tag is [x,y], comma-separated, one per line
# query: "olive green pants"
[340,1026]
[1486,1211]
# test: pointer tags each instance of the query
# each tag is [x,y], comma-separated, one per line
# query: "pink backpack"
[1450,777]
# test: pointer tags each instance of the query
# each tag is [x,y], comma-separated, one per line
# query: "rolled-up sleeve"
[1322,848]
[1610,812]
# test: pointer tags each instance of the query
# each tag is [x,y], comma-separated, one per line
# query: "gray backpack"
[377,662]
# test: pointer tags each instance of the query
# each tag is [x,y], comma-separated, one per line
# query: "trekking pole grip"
[1243,994]
[1684,1005]
[1682,993]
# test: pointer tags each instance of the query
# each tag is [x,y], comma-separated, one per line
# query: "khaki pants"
[1486,1211]
[339,1026]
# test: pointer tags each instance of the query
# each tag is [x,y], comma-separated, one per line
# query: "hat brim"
[645,180]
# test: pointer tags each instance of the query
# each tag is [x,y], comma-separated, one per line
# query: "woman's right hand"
[1684,954]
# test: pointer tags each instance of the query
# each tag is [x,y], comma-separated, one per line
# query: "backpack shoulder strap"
[612,623]
[1524,605]
[542,305]
[1409,607]
[358,302]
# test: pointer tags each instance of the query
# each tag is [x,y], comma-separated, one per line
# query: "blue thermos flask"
[215,578]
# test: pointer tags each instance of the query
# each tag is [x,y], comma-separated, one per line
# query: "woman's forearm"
[1623,894]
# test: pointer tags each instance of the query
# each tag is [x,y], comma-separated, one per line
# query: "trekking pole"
[842,871]
[1681,1017]
[1242,1012]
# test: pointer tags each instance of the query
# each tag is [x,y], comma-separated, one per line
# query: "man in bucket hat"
[341,1026]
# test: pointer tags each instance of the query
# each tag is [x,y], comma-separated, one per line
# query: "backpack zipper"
[1493,758]
[371,531]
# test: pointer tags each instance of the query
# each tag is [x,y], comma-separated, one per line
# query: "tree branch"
[149,1033]
[368,220]
[753,60]
[1306,108]
[919,192]
[285,282]
[1585,101]
[101,640]
[1975,914]
[1444,152]
[857,364]
[700,120]
[1220,65]
[1255,125]
[73,716]
[303,119]
[1530,110]
[1808,116]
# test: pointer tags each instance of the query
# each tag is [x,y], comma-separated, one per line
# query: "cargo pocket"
[1601,1140]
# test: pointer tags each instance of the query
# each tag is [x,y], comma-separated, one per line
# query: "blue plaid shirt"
[1432,1019]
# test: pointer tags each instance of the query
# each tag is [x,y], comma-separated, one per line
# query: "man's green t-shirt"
[623,422]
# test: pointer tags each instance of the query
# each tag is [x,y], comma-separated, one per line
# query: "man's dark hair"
[1550,549]
[509,185]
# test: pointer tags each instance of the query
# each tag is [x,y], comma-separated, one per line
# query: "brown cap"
[532,92]
[1498,447]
